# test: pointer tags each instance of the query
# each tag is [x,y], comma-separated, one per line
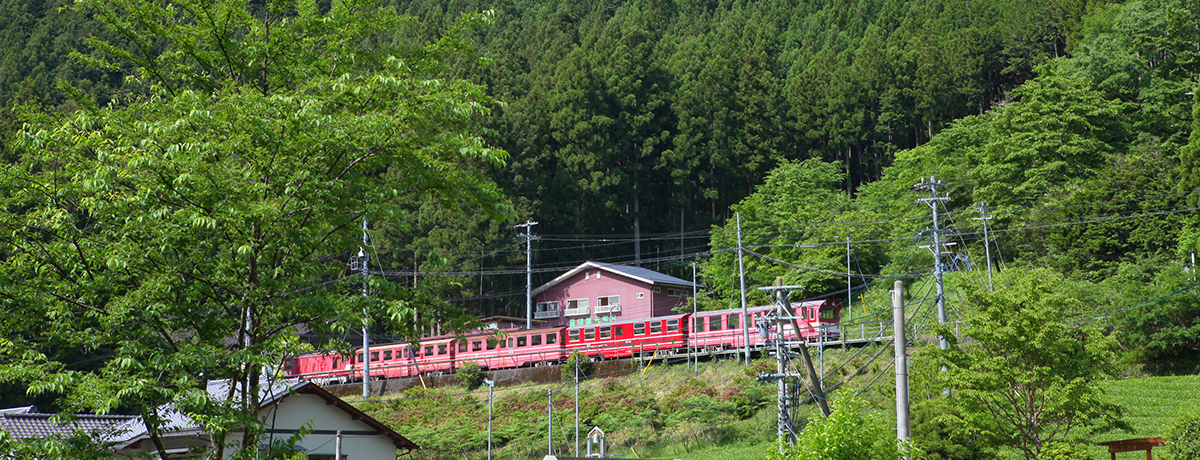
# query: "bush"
[848,434]
[469,375]
[1063,451]
[585,366]
[1184,441]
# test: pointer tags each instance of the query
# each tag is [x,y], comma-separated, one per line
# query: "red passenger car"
[623,339]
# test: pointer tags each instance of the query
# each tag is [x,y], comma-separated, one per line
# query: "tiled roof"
[30,424]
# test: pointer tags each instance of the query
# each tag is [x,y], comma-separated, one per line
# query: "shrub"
[469,375]
[1063,451]
[568,369]
[1184,441]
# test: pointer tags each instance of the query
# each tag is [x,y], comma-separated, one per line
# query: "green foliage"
[1064,451]
[1183,443]
[469,375]
[848,434]
[1027,379]
[567,370]
[183,225]
[940,433]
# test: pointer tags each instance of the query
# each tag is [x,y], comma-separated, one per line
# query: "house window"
[597,275]
[639,328]
[606,332]
[535,339]
[608,304]
[641,295]
[546,310]
[675,292]
[589,333]
[577,307]
[587,276]
[714,323]
[573,335]
[672,325]
[657,290]
[522,341]
[656,327]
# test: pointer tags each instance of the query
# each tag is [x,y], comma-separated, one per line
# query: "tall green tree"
[177,234]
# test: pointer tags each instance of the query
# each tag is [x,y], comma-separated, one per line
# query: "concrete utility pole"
[363,259]
[987,249]
[901,365]
[742,278]
[932,185]
[528,235]
[549,422]
[692,333]
[783,421]
[491,386]
[576,407]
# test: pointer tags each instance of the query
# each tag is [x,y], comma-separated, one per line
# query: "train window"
[606,332]
[714,323]
[491,344]
[733,321]
[374,356]
[589,333]
[699,325]
[573,335]
[656,327]
[618,331]
[406,352]
[442,349]
[387,355]
[552,337]
[639,328]
[828,314]
[522,341]
[428,350]
[476,345]
[510,342]
[462,347]
[335,362]
[672,325]
[535,339]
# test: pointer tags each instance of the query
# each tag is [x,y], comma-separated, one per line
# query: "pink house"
[597,292]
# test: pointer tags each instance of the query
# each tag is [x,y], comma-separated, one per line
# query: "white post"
[849,292]
[549,422]
[901,365]
[576,406]
[491,385]
[742,278]
[364,258]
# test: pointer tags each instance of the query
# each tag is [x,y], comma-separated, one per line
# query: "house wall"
[299,410]
[587,285]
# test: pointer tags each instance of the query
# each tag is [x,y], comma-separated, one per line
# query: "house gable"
[597,292]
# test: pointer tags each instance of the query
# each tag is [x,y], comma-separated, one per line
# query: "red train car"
[623,339]
[513,348]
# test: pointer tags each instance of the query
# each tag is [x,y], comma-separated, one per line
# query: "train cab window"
[672,325]
[387,355]
[374,356]
[733,321]
[462,347]
[573,335]
[699,325]
[428,350]
[476,345]
[522,341]
[589,333]
[606,332]
[442,349]
[535,339]
[829,314]
[552,337]
[639,328]
[656,327]
[714,323]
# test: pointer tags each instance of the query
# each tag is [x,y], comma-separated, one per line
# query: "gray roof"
[645,275]
[26,422]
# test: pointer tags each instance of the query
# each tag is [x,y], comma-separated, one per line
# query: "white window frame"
[608,304]
[675,292]
[580,307]
[546,310]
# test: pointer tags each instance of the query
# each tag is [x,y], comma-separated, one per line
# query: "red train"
[665,336]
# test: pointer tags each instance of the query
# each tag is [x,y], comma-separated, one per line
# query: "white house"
[287,407]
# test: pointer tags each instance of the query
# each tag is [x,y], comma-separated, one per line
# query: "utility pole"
[692,333]
[987,248]
[337,446]
[742,278]
[783,421]
[901,364]
[786,313]
[549,422]
[363,260]
[491,386]
[932,185]
[576,407]
[528,235]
